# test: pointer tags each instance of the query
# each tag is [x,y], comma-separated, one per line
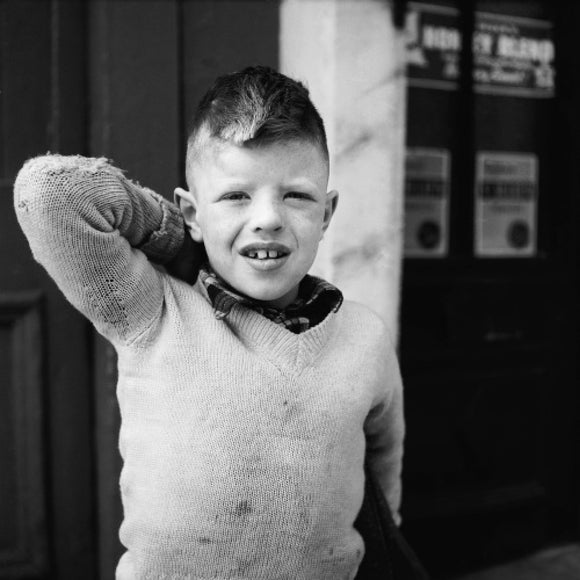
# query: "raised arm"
[385,430]
[95,231]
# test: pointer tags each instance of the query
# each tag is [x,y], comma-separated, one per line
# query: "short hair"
[255,106]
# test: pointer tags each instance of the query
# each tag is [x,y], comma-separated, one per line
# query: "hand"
[186,264]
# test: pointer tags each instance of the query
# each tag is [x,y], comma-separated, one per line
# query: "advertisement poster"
[512,55]
[506,190]
[426,202]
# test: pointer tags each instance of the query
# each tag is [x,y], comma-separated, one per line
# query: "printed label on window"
[426,202]
[506,187]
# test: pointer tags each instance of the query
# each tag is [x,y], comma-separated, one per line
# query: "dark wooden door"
[46,442]
[486,341]
[150,63]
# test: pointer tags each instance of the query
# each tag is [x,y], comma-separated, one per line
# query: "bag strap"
[388,555]
[376,563]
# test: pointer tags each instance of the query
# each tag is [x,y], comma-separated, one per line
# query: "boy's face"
[261,213]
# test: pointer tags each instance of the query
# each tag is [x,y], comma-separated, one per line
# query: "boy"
[249,399]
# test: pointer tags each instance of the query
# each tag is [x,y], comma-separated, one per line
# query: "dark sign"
[512,55]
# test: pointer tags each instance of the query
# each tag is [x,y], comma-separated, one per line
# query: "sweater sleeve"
[95,231]
[385,430]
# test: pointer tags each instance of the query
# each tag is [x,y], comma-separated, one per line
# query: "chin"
[266,296]
[284,298]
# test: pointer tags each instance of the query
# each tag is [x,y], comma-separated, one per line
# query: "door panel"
[23,535]
[491,467]
[47,445]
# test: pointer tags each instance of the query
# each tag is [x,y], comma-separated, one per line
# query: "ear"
[329,208]
[188,206]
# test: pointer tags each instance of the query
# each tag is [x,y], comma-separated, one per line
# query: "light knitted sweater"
[243,443]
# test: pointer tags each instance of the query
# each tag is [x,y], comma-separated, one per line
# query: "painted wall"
[350,55]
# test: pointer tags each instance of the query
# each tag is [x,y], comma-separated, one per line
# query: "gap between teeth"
[264,254]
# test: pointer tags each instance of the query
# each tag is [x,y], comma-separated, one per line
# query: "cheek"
[311,228]
[219,229]
[308,242]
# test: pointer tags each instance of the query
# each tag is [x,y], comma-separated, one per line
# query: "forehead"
[285,161]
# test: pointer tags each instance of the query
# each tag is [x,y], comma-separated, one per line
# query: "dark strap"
[388,556]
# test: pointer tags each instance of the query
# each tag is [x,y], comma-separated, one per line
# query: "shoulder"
[185,298]
[360,325]
[359,316]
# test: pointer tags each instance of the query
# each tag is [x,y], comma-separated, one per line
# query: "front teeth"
[263,254]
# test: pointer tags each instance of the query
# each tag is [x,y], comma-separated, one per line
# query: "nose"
[267,214]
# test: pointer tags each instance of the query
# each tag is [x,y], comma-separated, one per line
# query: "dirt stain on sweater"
[244,564]
[243,508]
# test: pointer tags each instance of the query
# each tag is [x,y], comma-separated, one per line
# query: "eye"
[299,195]
[235,196]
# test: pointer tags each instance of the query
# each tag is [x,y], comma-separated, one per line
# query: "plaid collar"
[316,299]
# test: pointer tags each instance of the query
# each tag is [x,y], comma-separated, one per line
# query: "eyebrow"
[237,184]
[300,183]
[233,185]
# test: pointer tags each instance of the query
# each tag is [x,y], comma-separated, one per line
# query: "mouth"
[265,251]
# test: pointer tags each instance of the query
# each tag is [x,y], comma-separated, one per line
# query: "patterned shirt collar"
[316,299]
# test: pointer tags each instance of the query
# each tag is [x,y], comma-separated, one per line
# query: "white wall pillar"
[351,57]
